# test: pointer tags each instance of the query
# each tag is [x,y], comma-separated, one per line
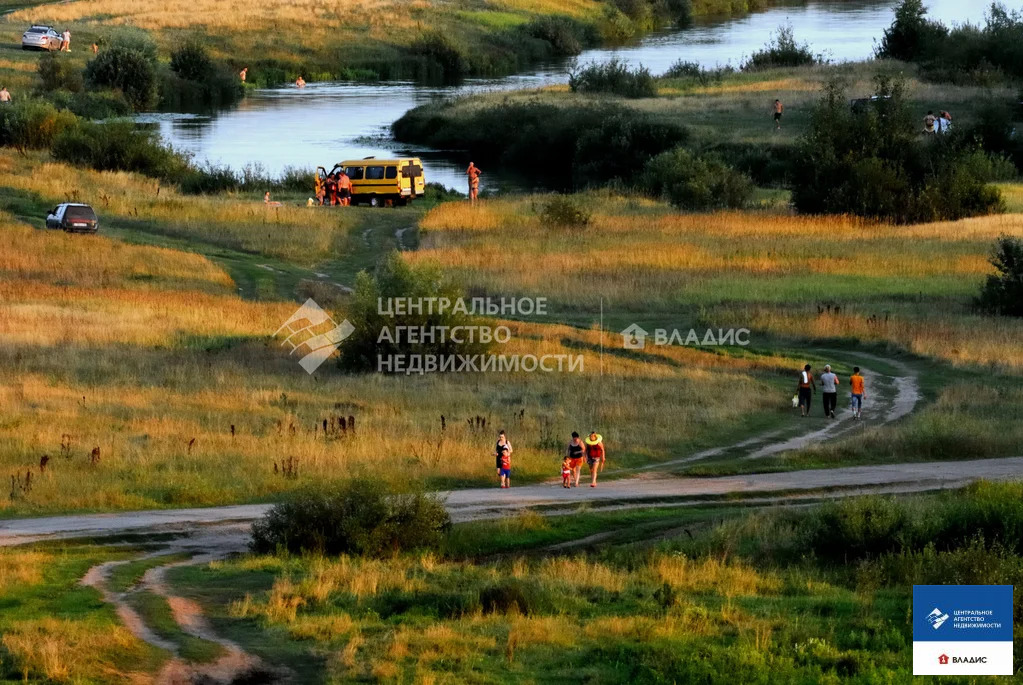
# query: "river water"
[324,123]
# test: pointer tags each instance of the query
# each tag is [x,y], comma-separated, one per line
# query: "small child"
[566,473]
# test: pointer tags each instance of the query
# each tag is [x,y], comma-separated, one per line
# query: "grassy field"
[821,278]
[760,593]
[52,629]
[149,354]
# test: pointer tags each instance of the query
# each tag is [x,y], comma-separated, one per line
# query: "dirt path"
[890,397]
[481,503]
[204,545]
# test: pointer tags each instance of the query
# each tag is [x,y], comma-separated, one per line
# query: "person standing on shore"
[575,457]
[829,391]
[804,388]
[595,456]
[473,175]
[243,74]
[502,454]
[65,41]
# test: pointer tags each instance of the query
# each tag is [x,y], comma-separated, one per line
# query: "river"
[325,123]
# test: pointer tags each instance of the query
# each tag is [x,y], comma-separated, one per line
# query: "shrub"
[615,27]
[680,12]
[618,148]
[911,35]
[33,124]
[782,51]
[59,74]
[694,73]
[564,34]
[561,146]
[856,528]
[91,104]
[127,69]
[614,77]
[191,61]
[966,54]
[397,279]
[694,182]
[360,516]
[438,57]
[563,210]
[118,146]
[1003,292]
[872,163]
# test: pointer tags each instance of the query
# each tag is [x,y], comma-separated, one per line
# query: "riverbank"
[426,39]
[728,113]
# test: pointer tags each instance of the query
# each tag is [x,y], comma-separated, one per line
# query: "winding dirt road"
[209,534]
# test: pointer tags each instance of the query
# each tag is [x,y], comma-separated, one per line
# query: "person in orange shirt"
[473,174]
[858,390]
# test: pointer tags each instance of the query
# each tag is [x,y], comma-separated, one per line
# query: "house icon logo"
[943,659]
[634,337]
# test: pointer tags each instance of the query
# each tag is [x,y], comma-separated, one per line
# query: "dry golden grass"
[298,31]
[21,567]
[65,651]
[729,579]
[774,273]
[301,234]
[146,354]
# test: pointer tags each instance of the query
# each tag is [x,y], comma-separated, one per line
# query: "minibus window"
[392,172]
[374,173]
[354,172]
[411,170]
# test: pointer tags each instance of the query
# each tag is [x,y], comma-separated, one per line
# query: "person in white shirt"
[829,391]
[65,41]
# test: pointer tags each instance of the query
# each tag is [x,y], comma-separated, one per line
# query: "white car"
[40,38]
[73,217]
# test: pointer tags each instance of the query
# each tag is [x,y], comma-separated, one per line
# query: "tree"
[1003,292]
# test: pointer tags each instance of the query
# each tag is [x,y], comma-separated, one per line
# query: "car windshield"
[80,213]
[36,29]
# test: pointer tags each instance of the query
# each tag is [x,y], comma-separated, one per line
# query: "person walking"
[595,456]
[858,390]
[779,109]
[473,174]
[575,457]
[5,95]
[243,74]
[95,49]
[502,454]
[65,41]
[805,388]
[829,391]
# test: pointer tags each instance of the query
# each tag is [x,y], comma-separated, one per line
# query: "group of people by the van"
[590,449]
[806,386]
[335,189]
[940,123]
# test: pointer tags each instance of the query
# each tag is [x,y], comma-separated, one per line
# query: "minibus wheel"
[374,201]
